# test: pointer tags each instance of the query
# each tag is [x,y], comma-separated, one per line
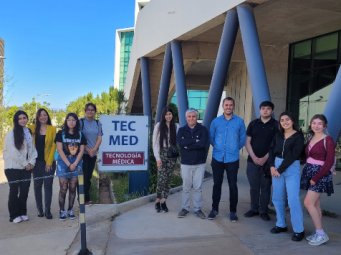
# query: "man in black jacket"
[193,141]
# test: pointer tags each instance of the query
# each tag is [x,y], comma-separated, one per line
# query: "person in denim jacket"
[227,136]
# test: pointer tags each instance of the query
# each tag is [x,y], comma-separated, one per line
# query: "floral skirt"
[324,185]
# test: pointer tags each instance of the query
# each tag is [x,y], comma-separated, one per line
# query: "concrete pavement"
[143,231]
[38,235]
[135,228]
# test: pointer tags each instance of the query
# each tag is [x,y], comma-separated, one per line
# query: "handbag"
[172,152]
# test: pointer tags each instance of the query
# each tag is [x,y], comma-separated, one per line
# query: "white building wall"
[160,22]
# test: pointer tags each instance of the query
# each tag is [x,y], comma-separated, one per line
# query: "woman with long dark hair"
[164,136]
[70,146]
[92,130]
[19,158]
[44,134]
[316,175]
[284,156]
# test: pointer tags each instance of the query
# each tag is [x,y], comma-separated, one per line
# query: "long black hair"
[76,128]
[18,131]
[37,122]
[163,128]
[292,118]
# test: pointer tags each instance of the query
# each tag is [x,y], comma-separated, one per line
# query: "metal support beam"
[253,55]
[147,109]
[180,82]
[333,109]
[164,83]
[222,63]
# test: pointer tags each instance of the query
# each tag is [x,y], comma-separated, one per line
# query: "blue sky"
[58,50]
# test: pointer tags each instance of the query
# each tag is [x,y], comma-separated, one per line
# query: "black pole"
[84,250]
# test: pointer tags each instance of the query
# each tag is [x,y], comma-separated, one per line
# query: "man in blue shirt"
[227,136]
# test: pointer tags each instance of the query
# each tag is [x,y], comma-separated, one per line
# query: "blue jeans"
[288,184]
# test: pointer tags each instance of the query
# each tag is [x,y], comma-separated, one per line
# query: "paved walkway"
[135,228]
[143,231]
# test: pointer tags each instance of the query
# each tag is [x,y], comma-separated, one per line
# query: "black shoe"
[277,230]
[48,215]
[297,236]
[158,207]
[182,213]
[250,214]
[213,214]
[200,214]
[164,207]
[265,216]
[233,217]
[40,214]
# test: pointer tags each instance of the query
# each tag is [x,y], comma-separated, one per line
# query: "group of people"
[274,149]
[41,151]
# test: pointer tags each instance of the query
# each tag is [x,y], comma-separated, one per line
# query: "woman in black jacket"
[285,171]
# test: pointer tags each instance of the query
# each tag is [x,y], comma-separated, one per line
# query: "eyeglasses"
[90,110]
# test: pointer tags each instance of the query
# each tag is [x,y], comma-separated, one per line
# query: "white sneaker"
[310,237]
[17,219]
[319,239]
[62,215]
[24,217]
[71,214]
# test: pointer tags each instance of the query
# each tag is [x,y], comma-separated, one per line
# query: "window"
[196,99]
[313,66]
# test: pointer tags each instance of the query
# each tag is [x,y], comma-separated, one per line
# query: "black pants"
[88,168]
[218,176]
[46,179]
[260,187]
[18,191]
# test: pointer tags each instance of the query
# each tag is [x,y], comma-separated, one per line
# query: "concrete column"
[164,83]
[180,82]
[333,109]
[253,55]
[147,109]
[222,63]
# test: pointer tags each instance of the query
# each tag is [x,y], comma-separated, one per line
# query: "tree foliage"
[111,102]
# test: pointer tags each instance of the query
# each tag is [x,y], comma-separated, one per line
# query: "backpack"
[82,121]
[56,154]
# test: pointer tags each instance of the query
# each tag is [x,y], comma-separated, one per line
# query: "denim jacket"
[227,138]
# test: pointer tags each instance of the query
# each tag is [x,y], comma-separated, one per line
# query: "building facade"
[251,50]
[123,44]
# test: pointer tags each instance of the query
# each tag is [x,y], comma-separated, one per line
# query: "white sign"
[124,144]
